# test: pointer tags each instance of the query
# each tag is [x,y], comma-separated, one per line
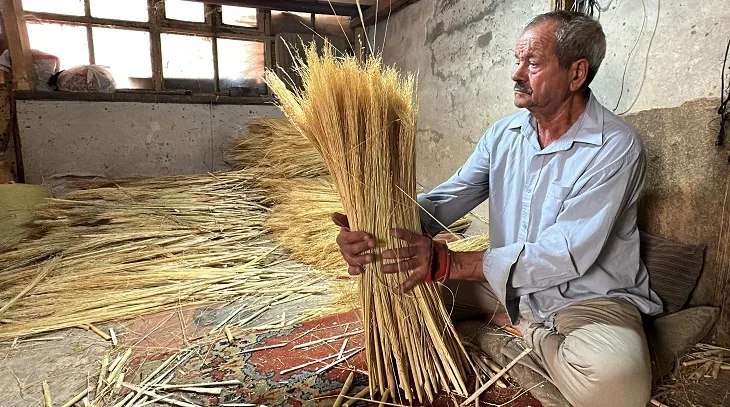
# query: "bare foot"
[502,320]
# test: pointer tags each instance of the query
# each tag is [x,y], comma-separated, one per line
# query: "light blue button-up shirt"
[562,220]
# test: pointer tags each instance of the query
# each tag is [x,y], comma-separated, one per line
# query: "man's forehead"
[536,40]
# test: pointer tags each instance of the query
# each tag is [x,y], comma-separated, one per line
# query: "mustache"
[521,87]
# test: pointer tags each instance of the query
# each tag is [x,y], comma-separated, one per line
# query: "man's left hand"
[416,257]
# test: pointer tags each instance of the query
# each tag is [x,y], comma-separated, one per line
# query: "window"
[133,10]
[239,16]
[68,42]
[68,7]
[241,64]
[187,62]
[185,11]
[126,53]
[174,45]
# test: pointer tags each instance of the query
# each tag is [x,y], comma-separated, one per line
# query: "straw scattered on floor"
[701,377]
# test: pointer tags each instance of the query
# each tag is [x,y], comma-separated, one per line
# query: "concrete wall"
[663,61]
[120,139]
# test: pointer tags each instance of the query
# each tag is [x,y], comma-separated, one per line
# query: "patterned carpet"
[267,375]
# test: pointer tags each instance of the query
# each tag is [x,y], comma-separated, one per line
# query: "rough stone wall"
[122,139]
[685,191]
[660,56]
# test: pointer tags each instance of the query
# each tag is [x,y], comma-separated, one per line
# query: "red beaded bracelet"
[440,267]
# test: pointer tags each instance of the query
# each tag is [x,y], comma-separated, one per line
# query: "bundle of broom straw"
[274,148]
[301,221]
[361,118]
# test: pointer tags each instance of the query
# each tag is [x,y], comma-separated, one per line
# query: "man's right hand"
[353,245]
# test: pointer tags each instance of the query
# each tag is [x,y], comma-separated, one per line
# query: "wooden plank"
[263,22]
[18,43]
[154,11]
[85,20]
[145,97]
[89,34]
[348,9]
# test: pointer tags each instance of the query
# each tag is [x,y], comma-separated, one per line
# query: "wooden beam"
[162,25]
[154,13]
[145,97]
[89,33]
[371,15]
[18,43]
[348,9]
[20,169]
[33,16]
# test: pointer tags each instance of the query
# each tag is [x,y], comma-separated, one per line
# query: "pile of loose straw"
[120,250]
[361,117]
[274,148]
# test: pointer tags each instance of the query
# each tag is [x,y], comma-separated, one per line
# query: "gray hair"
[578,36]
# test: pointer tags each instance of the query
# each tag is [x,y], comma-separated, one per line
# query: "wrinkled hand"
[416,257]
[353,245]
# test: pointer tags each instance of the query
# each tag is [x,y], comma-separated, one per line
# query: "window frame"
[158,24]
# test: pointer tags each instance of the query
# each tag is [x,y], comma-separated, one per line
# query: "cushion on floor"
[672,336]
[673,269]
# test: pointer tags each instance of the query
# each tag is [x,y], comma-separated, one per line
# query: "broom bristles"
[274,148]
[362,119]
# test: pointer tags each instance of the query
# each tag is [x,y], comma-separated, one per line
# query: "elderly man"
[563,177]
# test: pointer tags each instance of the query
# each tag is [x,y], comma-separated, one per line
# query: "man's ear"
[578,74]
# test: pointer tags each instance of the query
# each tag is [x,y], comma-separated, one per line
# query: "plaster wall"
[122,139]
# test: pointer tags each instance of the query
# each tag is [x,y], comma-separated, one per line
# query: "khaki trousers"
[596,354]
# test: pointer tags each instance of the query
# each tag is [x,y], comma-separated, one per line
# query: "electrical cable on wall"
[631,53]
[591,8]
[646,59]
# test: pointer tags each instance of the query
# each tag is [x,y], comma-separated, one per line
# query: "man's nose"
[520,73]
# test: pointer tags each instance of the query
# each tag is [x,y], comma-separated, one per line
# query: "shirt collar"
[587,129]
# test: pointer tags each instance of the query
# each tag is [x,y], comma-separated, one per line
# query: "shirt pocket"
[553,204]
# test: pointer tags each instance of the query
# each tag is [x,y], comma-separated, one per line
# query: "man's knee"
[605,377]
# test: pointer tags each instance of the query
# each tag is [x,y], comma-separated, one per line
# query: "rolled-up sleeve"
[568,248]
[461,193]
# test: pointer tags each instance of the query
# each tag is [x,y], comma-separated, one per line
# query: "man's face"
[540,81]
